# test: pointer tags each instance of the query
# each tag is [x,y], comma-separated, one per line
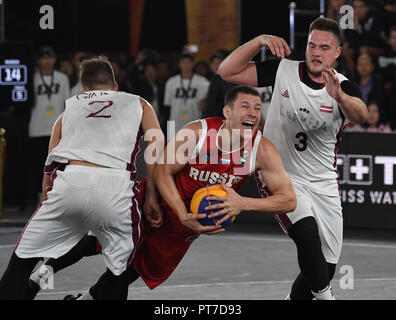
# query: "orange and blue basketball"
[199,202]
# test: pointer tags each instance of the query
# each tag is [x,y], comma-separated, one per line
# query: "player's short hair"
[232,94]
[96,73]
[326,24]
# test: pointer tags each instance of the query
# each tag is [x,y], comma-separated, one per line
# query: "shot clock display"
[14,74]
[16,61]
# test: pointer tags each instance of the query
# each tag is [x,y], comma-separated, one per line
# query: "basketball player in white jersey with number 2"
[92,185]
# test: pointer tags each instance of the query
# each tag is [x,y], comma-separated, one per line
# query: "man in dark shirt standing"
[310,106]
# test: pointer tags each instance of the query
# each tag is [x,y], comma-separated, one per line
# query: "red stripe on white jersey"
[139,192]
[328,109]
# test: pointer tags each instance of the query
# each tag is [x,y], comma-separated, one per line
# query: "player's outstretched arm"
[238,67]
[353,108]
[283,198]
[176,155]
[155,147]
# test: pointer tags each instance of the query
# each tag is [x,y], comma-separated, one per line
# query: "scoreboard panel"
[16,99]
[16,76]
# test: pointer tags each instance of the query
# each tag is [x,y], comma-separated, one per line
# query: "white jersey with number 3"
[100,127]
[305,125]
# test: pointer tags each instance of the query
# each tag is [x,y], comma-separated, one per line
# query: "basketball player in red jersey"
[213,150]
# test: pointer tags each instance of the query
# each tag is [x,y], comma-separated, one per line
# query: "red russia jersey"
[210,165]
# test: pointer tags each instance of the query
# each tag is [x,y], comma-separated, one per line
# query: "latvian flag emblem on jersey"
[327,109]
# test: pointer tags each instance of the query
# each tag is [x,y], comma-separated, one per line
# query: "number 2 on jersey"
[302,143]
[96,114]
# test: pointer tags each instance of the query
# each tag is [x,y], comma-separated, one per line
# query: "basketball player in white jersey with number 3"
[310,106]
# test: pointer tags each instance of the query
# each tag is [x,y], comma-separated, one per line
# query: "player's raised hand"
[332,83]
[277,45]
[231,204]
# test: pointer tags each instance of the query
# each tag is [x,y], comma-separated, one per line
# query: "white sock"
[86,296]
[325,294]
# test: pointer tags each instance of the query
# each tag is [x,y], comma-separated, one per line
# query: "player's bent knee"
[305,232]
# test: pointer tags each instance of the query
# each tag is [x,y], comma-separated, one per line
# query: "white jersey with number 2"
[100,127]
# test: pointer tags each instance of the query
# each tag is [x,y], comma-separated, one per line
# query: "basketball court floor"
[247,262]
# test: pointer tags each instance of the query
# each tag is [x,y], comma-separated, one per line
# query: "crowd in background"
[182,89]
[368,58]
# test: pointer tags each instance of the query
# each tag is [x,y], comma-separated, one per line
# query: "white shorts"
[327,211]
[86,198]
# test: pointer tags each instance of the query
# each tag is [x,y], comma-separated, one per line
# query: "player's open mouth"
[316,62]
[248,124]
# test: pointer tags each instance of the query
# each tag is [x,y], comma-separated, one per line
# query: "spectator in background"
[375,121]
[391,116]
[75,77]
[217,88]
[51,89]
[365,37]
[162,77]
[121,77]
[216,60]
[333,12]
[162,72]
[390,5]
[136,74]
[66,67]
[389,15]
[215,98]
[371,84]
[77,87]
[202,68]
[387,61]
[152,91]
[185,94]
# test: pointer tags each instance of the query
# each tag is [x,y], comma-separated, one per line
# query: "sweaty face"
[322,51]
[245,114]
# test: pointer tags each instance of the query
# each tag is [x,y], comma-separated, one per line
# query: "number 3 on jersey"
[302,143]
[97,113]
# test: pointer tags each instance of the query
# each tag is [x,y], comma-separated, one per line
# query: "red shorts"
[162,249]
